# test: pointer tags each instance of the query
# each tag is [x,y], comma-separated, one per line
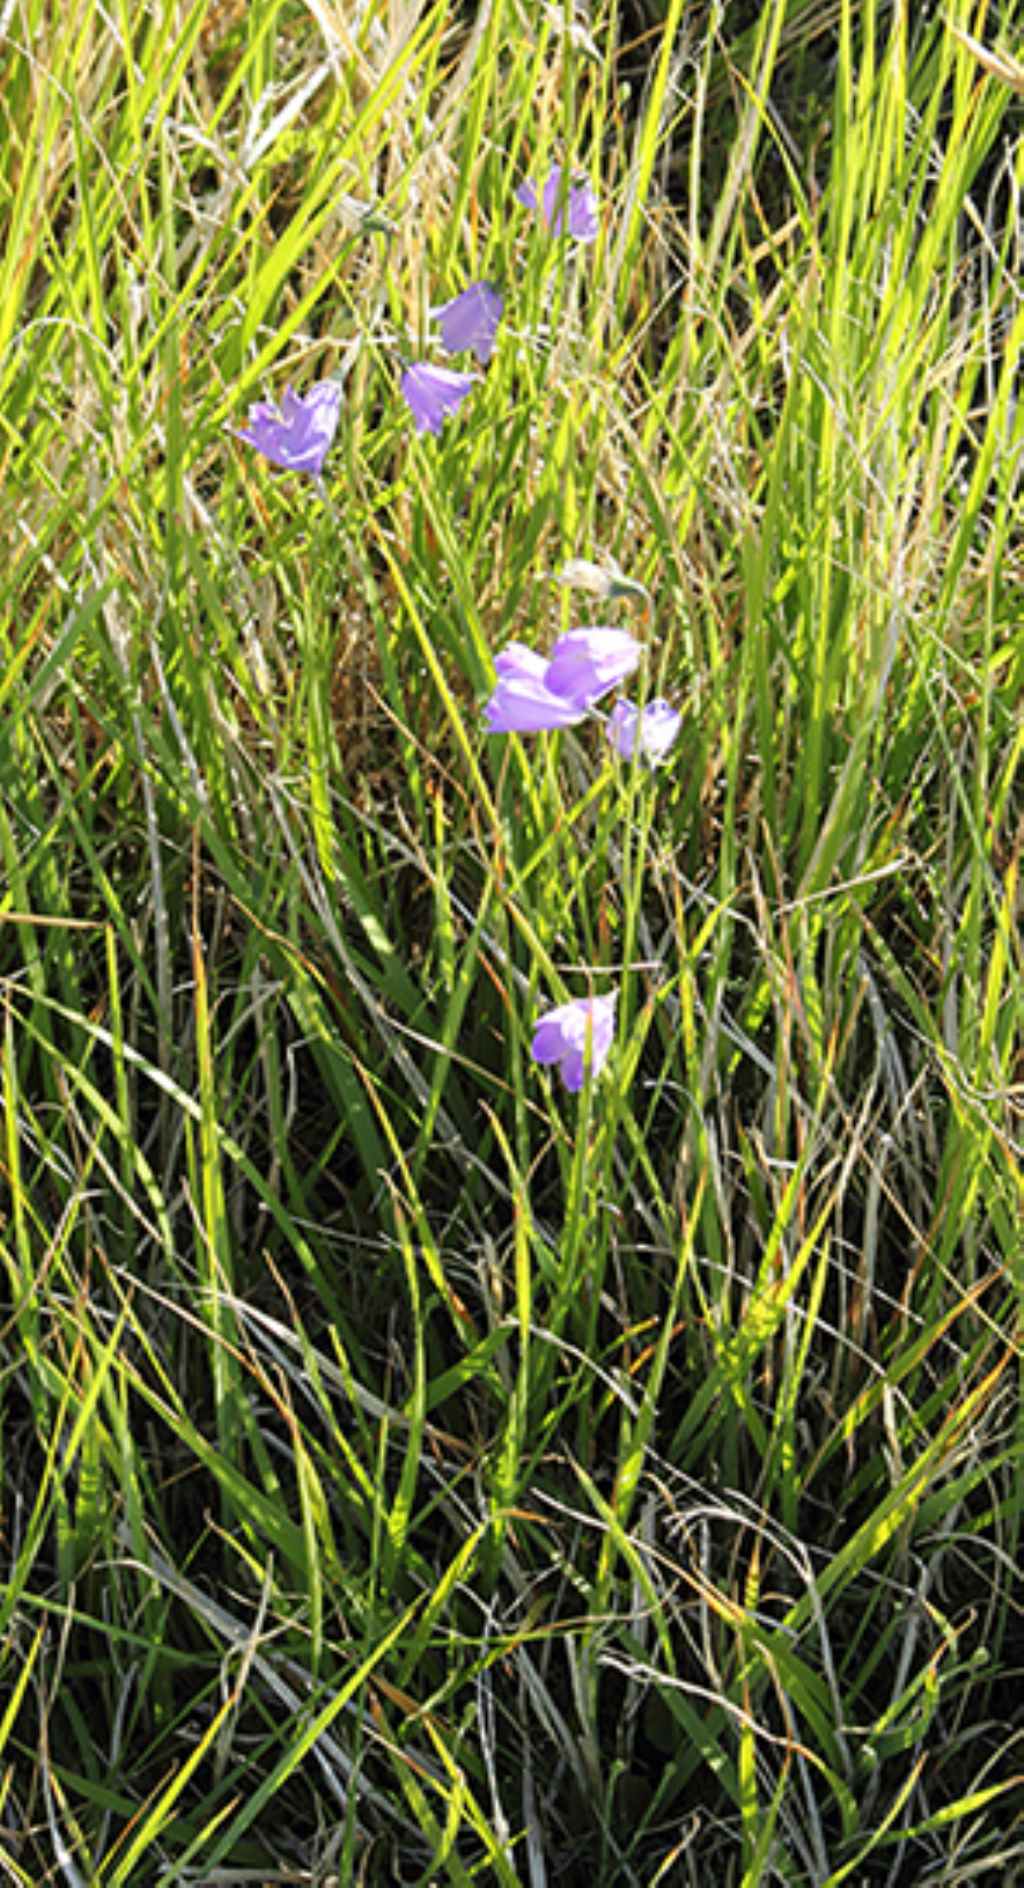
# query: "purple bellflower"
[654,728]
[586,663]
[562,1036]
[522,703]
[533,694]
[299,434]
[572,206]
[471,320]
[431,393]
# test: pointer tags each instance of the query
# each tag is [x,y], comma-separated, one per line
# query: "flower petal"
[297,435]
[522,705]
[561,1036]
[431,393]
[470,320]
[517,660]
[548,1040]
[585,663]
[656,726]
[573,1069]
[571,206]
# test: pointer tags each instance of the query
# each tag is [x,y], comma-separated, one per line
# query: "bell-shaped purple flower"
[574,1034]
[471,320]
[564,206]
[654,728]
[522,703]
[297,435]
[533,693]
[586,663]
[431,393]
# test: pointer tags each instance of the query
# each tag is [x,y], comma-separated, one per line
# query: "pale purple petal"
[471,320]
[572,1070]
[603,1015]
[526,193]
[658,725]
[553,209]
[431,393]
[560,1036]
[548,1040]
[262,413]
[574,207]
[522,705]
[585,663]
[516,660]
[293,406]
[299,434]
[584,222]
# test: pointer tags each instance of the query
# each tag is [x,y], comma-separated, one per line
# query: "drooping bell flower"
[534,693]
[522,703]
[562,206]
[574,1035]
[653,728]
[299,433]
[431,393]
[470,320]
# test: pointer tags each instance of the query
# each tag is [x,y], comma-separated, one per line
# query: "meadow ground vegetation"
[511,1052]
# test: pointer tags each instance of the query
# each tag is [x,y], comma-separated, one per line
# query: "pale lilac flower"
[534,693]
[586,663]
[655,727]
[433,392]
[522,703]
[562,1036]
[471,320]
[573,206]
[297,435]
